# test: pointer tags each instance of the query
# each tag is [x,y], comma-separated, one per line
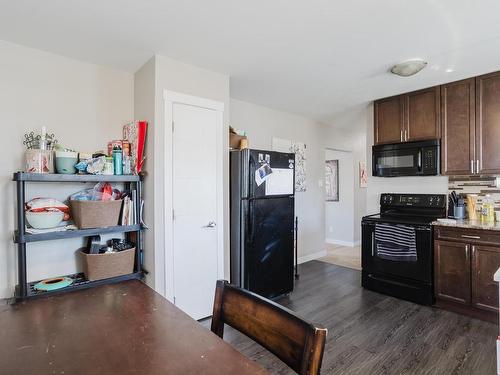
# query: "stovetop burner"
[419,209]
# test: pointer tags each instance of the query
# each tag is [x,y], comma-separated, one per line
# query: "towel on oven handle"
[396,242]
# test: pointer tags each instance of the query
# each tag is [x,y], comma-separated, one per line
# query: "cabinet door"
[422,114]
[389,120]
[485,262]
[488,123]
[452,271]
[458,127]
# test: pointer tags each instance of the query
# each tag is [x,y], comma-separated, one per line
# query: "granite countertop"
[468,224]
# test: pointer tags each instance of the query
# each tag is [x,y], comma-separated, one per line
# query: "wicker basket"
[104,266]
[95,214]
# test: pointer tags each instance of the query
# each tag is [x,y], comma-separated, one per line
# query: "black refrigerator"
[262,221]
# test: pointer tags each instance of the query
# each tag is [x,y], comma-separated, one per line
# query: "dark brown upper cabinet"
[488,124]
[422,115]
[409,117]
[464,114]
[389,117]
[458,127]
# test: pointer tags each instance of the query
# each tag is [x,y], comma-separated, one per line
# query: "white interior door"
[194,190]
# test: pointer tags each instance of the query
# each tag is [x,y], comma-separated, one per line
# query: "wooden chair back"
[296,342]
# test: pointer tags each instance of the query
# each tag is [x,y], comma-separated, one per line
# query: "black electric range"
[405,215]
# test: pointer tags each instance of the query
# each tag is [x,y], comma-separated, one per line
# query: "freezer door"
[268,254]
[278,161]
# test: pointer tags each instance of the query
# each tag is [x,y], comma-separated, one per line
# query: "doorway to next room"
[340,176]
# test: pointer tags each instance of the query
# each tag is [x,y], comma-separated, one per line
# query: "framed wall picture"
[332,180]
[363,176]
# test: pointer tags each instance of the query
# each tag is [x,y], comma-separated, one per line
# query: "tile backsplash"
[476,185]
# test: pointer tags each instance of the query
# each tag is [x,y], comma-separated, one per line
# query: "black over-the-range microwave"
[406,159]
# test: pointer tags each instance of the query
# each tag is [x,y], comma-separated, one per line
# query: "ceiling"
[316,58]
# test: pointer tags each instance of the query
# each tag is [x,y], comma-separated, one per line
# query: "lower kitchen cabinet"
[485,261]
[465,261]
[452,272]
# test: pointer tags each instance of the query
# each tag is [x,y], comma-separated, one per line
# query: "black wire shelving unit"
[24,289]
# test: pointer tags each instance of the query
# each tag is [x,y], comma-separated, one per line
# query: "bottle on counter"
[488,209]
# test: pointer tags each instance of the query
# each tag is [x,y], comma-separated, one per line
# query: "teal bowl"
[66,161]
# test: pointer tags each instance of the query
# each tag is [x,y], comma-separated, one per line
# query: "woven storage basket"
[104,266]
[95,214]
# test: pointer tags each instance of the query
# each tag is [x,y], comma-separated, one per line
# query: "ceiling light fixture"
[449,70]
[408,68]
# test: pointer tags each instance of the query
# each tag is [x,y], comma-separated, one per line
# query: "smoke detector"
[408,68]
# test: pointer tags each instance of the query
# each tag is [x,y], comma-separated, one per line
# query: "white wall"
[85,105]
[144,109]
[379,185]
[169,74]
[348,132]
[339,216]
[353,130]
[262,124]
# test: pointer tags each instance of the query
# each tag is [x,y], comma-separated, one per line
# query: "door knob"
[211,224]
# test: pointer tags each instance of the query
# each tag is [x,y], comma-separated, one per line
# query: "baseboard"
[308,257]
[6,293]
[343,243]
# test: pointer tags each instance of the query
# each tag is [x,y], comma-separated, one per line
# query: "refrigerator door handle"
[251,223]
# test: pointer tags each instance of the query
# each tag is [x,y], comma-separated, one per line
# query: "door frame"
[170,98]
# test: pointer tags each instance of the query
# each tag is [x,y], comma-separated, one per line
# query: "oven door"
[393,161]
[419,270]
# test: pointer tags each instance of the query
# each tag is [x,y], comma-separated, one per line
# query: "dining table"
[122,328]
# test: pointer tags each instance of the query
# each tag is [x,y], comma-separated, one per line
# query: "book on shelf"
[128,209]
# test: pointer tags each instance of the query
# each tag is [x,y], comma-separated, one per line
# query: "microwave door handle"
[420,160]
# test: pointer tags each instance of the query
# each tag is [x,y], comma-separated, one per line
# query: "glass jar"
[108,166]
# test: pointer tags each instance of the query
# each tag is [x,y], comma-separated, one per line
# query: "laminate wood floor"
[344,256]
[370,333]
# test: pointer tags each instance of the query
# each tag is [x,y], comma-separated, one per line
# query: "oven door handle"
[423,228]
[417,228]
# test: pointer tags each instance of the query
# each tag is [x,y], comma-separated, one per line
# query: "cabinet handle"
[477,166]
[406,135]
[471,237]
[401,136]
[472,166]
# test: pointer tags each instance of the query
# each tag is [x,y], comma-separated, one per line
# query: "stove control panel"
[413,200]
